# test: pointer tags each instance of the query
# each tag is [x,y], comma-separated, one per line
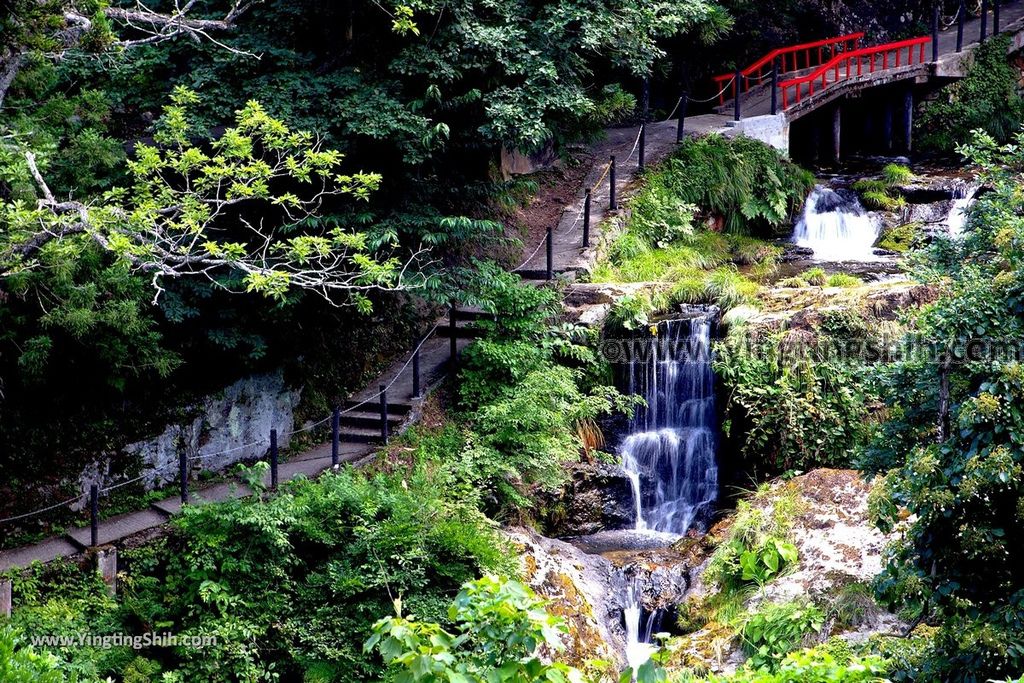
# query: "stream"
[669,449]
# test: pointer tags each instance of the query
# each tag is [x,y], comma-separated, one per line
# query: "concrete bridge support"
[837,132]
[908,120]
[887,125]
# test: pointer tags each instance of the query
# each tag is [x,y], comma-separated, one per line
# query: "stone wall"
[230,426]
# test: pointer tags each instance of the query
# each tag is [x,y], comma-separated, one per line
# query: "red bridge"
[875,84]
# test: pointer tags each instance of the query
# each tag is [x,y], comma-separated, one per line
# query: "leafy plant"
[21,663]
[775,630]
[500,628]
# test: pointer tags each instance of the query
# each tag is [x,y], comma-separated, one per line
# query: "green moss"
[899,238]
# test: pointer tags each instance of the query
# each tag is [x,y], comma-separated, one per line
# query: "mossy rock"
[899,238]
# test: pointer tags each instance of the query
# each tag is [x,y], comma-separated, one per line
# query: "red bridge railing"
[813,54]
[852,64]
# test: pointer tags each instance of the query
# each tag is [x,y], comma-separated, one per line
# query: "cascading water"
[836,227]
[669,454]
[964,195]
[640,626]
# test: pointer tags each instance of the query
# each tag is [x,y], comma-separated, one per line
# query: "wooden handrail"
[756,71]
[836,64]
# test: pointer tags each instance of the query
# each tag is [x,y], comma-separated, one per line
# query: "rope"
[716,95]
[41,511]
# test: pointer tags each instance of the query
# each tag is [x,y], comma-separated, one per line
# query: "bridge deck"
[757,102]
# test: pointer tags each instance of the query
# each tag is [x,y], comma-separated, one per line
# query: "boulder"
[595,497]
[585,590]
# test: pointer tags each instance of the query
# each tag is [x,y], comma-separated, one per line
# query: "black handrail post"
[183,474]
[453,344]
[416,389]
[984,20]
[935,33]
[549,248]
[94,515]
[612,204]
[645,110]
[586,218]
[775,87]
[961,17]
[384,435]
[273,459]
[739,91]
[995,16]
[683,101]
[335,435]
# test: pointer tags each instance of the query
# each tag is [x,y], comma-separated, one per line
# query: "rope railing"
[167,469]
[607,169]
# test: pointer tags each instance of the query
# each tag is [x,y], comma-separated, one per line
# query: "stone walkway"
[569,255]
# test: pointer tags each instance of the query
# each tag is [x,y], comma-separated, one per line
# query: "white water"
[837,227]
[669,454]
[638,636]
[963,200]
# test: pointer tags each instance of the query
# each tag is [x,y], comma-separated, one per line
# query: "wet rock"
[595,497]
[792,252]
[585,590]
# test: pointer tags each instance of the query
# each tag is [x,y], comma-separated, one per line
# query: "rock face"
[594,498]
[232,426]
[838,548]
[585,590]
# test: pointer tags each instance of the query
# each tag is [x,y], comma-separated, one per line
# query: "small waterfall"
[669,454]
[964,196]
[837,227]
[641,624]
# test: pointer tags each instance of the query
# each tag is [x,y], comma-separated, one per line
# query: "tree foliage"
[961,478]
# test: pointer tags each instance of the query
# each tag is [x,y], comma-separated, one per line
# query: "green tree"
[962,478]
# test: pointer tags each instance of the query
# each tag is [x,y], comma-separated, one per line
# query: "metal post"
[641,159]
[775,87]
[738,90]
[586,218]
[549,246]
[273,458]
[335,435]
[995,16]
[453,344]
[183,474]
[984,20]
[416,389]
[384,414]
[612,204]
[685,100]
[960,19]
[94,515]
[935,33]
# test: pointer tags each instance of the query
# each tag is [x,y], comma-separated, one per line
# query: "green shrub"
[815,276]
[775,630]
[812,665]
[843,280]
[21,663]
[757,548]
[786,407]
[987,98]
[793,282]
[500,630]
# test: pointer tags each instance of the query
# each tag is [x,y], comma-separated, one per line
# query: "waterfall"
[963,198]
[669,453]
[640,627]
[836,226]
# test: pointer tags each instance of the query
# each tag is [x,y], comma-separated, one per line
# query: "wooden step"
[369,420]
[373,406]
